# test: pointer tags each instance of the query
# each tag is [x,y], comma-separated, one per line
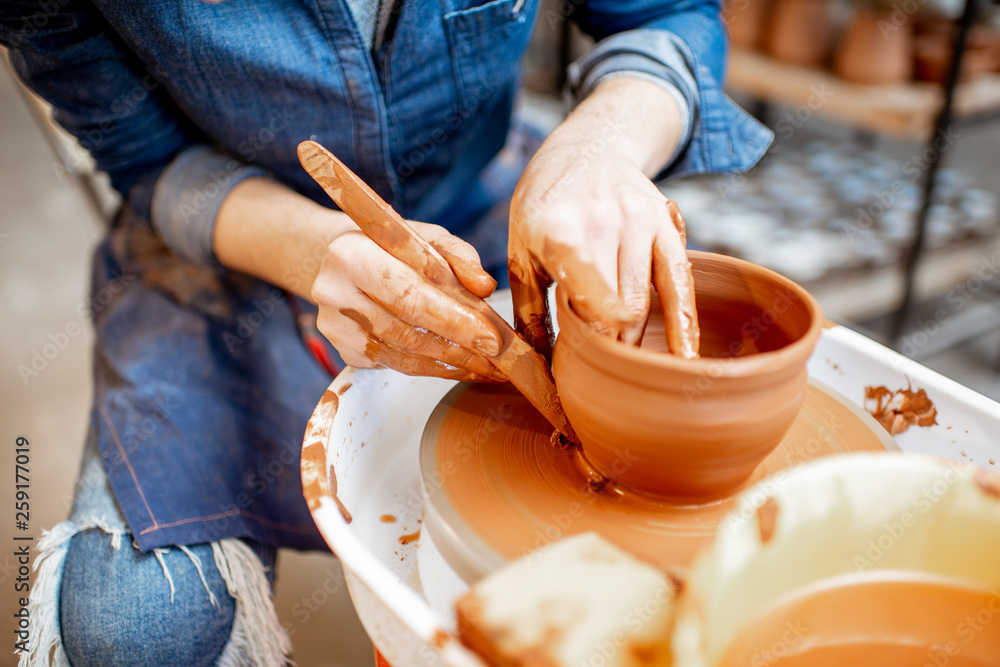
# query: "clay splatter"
[898,410]
[767,519]
[410,537]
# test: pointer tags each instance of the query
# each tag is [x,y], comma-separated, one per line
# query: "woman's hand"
[586,215]
[374,309]
[377,311]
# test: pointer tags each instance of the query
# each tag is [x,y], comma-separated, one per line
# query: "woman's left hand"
[586,215]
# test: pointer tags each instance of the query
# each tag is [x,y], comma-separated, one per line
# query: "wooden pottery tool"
[526,369]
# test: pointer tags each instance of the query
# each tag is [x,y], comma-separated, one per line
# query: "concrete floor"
[47,232]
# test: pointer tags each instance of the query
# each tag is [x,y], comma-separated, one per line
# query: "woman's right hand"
[378,312]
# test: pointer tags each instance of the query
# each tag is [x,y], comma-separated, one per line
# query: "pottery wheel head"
[497,485]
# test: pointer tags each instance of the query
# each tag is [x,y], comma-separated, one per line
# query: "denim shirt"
[202,386]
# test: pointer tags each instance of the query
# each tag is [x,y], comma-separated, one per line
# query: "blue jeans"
[100,601]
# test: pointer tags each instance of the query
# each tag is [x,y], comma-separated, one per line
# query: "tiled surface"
[47,232]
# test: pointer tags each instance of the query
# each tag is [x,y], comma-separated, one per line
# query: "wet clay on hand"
[671,275]
[514,358]
[674,282]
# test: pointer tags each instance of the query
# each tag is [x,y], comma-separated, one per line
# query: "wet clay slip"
[898,410]
[696,428]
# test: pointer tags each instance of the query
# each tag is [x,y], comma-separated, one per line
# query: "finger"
[407,364]
[678,220]
[358,348]
[418,342]
[675,284]
[635,259]
[572,266]
[400,291]
[529,292]
[346,336]
[605,251]
[461,257]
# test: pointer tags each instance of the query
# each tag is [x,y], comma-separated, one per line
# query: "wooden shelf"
[905,111]
[863,293]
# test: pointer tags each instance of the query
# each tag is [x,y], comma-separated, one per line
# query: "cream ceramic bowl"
[846,520]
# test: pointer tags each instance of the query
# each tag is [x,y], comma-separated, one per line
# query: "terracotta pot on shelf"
[697,427]
[867,55]
[745,19]
[933,53]
[799,32]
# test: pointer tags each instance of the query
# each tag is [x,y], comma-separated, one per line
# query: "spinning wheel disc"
[497,487]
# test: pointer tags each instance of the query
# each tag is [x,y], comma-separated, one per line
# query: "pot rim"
[733,367]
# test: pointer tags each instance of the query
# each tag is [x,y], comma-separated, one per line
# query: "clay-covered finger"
[674,282]
[593,299]
[674,211]
[529,292]
[346,336]
[461,257]
[385,355]
[409,297]
[635,264]
[419,342]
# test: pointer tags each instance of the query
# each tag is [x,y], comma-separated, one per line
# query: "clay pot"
[861,534]
[745,19]
[692,429]
[799,32]
[933,53]
[866,55]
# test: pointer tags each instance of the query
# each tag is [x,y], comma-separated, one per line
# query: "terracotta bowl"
[799,32]
[692,430]
[868,56]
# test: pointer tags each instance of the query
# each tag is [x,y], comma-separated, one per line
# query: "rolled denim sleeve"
[188,196]
[651,55]
[683,45]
